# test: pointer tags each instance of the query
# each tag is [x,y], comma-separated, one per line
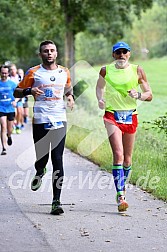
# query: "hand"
[35,91]
[70,102]
[14,104]
[133,93]
[101,104]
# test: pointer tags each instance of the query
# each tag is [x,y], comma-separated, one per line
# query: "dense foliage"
[147,37]
[24,23]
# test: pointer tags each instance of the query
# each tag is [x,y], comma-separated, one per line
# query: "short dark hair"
[46,42]
[4,66]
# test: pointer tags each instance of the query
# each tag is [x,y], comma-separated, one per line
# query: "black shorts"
[10,116]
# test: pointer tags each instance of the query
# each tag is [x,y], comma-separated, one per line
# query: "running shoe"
[37,180]
[18,131]
[122,204]
[3,152]
[9,141]
[14,131]
[56,208]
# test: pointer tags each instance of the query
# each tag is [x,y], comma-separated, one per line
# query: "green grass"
[88,137]
[155,70]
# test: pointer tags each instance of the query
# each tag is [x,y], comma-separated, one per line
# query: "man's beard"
[121,63]
[48,63]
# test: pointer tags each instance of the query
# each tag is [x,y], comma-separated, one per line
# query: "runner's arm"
[22,92]
[25,87]
[100,88]
[68,91]
[146,94]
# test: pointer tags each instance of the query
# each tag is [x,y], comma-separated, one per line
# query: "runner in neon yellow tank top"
[118,82]
[117,92]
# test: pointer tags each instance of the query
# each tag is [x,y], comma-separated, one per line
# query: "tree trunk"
[70,53]
[69,39]
[69,49]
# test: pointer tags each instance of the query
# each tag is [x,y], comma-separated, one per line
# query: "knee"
[118,157]
[3,128]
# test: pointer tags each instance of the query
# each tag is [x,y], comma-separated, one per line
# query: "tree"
[109,18]
[16,37]
[149,32]
[25,22]
[78,15]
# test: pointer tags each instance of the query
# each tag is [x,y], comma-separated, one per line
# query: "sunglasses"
[119,52]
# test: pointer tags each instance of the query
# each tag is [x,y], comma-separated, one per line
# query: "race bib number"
[53,125]
[4,97]
[52,94]
[123,116]
[48,92]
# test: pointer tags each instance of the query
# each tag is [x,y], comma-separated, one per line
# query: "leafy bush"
[160,124]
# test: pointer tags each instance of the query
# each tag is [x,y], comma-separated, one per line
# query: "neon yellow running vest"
[118,82]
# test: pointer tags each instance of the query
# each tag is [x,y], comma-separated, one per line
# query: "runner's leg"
[3,122]
[115,139]
[10,122]
[42,146]
[57,146]
[128,144]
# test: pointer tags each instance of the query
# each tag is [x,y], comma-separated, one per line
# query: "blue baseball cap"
[120,45]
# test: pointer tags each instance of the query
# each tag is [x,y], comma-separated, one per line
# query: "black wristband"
[72,96]
[27,91]
[139,95]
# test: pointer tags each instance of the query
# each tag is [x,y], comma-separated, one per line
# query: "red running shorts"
[125,128]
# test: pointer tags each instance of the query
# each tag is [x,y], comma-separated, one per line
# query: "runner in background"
[7,108]
[25,102]
[19,105]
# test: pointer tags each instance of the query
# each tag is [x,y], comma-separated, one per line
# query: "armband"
[139,95]
[27,91]
[72,96]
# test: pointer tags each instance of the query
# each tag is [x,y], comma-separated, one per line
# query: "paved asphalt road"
[90,223]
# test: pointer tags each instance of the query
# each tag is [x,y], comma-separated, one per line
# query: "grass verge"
[149,164]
